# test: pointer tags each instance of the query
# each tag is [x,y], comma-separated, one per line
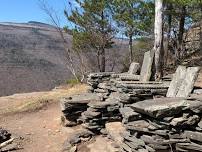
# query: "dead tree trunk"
[158,43]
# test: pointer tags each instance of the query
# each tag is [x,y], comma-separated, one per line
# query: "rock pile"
[142,89]
[132,89]
[73,106]
[164,124]
[94,79]
[98,113]
[152,121]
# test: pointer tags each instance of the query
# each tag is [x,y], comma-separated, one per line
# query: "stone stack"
[164,124]
[94,79]
[141,90]
[73,106]
[98,113]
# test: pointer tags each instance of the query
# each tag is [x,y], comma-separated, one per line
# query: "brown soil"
[41,130]
[39,127]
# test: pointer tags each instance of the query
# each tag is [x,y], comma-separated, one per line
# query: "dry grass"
[29,102]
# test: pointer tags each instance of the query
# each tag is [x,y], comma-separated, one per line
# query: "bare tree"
[51,13]
[158,43]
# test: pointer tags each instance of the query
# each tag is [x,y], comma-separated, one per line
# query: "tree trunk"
[158,43]
[102,60]
[200,41]
[167,51]
[179,51]
[200,25]
[102,51]
[131,47]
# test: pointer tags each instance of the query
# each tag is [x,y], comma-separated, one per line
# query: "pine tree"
[93,28]
[135,18]
[180,16]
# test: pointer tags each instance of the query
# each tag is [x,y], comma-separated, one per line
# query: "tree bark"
[200,25]
[102,60]
[179,51]
[158,43]
[200,41]
[131,47]
[102,51]
[167,51]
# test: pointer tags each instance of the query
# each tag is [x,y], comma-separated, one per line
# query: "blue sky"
[29,10]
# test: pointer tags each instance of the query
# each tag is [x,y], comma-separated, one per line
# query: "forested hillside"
[32,57]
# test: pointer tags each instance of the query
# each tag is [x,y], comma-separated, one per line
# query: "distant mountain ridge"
[30,24]
[32,57]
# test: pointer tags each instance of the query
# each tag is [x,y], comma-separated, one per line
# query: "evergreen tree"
[93,28]
[135,17]
[180,14]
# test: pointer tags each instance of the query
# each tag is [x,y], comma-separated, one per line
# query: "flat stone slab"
[162,107]
[188,147]
[195,106]
[183,81]
[188,82]
[139,82]
[185,120]
[129,114]
[145,73]
[141,124]
[176,81]
[143,86]
[130,77]
[100,74]
[194,135]
[91,114]
[84,98]
[101,105]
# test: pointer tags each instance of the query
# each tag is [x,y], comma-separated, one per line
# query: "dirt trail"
[37,123]
[41,130]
